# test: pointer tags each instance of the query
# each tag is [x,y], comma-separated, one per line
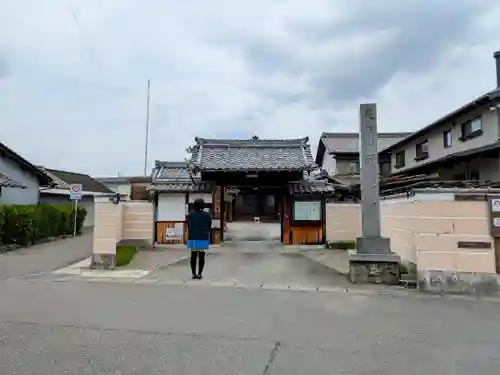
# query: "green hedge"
[30,224]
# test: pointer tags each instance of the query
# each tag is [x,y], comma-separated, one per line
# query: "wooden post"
[185,229]
[222,213]
[155,218]
[323,218]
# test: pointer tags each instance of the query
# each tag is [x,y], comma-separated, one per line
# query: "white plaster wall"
[172,207]
[329,164]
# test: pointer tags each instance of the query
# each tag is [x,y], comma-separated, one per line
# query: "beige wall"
[131,220]
[343,221]
[491,134]
[107,226]
[425,230]
[138,221]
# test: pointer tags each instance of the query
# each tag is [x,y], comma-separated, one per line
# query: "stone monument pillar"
[373,261]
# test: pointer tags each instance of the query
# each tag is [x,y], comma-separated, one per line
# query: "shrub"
[29,224]
[125,254]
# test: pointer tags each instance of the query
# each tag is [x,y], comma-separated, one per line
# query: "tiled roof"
[311,187]
[175,176]
[252,154]
[349,142]
[181,187]
[58,183]
[6,152]
[64,179]
[8,182]
[172,171]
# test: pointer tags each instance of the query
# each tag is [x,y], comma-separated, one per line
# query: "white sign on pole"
[75,192]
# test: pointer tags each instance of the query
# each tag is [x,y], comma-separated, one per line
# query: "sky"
[73,73]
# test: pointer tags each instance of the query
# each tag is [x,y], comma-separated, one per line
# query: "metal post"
[147,130]
[76,211]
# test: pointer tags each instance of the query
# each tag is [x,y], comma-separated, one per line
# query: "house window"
[385,168]
[354,167]
[422,150]
[474,175]
[472,129]
[447,138]
[400,159]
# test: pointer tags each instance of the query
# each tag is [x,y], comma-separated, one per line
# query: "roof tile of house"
[63,180]
[349,142]
[175,176]
[6,181]
[311,187]
[252,154]
[42,177]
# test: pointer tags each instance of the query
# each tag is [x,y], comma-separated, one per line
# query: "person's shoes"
[195,277]
[199,276]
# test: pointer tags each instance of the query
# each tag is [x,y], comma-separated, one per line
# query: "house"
[59,192]
[20,180]
[129,187]
[338,154]
[462,145]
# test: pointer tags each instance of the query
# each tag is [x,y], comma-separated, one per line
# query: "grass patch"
[125,254]
[342,245]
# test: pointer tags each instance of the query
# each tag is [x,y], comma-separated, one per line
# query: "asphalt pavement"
[112,328]
[78,327]
[45,257]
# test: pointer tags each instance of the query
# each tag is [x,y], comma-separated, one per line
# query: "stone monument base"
[103,261]
[373,262]
[373,245]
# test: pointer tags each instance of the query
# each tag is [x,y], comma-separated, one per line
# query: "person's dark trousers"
[200,257]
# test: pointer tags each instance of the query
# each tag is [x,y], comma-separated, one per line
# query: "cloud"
[73,74]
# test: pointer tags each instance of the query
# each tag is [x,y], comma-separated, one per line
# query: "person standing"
[199,226]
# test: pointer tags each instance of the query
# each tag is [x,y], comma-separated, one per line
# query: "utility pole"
[147,130]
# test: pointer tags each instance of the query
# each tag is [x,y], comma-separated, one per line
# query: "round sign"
[76,188]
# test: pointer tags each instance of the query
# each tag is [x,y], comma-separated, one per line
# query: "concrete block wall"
[343,221]
[426,230]
[138,221]
[107,226]
[129,220]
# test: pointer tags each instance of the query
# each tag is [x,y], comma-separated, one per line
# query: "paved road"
[82,327]
[252,268]
[111,328]
[45,257]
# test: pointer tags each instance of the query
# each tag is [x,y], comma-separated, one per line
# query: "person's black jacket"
[199,225]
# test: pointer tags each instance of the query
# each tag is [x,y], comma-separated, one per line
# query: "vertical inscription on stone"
[370,209]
